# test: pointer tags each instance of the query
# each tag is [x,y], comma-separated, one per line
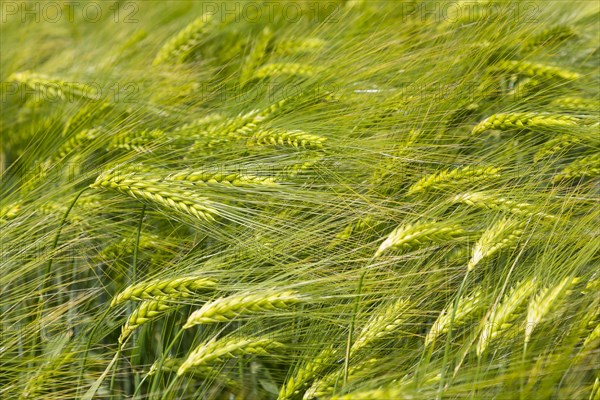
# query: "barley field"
[345,199]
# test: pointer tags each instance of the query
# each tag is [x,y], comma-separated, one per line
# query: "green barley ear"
[550,37]
[228,308]
[556,145]
[388,166]
[535,70]
[576,103]
[58,355]
[199,372]
[595,394]
[52,87]
[125,247]
[201,123]
[502,235]
[207,177]
[592,286]
[542,303]
[593,337]
[393,392]
[584,167]
[362,225]
[10,211]
[591,323]
[161,289]
[307,163]
[410,146]
[299,45]
[75,143]
[176,49]
[467,305]
[454,178]
[86,115]
[381,324]
[502,316]
[145,312]
[241,126]
[521,121]
[417,234]
[488,201]
[279,69]
[156,193]
[308,371]
[326,385]
[217,350]
[256,56]
[281,137]
[139,141]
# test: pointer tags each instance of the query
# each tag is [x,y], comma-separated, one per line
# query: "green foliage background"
[417,179]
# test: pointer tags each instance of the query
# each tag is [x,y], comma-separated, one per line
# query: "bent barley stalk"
[576,103]
[490,202]
[467,305]
[200,372]
[381,324]
[556,145]
[542,303]
[140,141]
[176,49]
[311,161]
[256,56]
[454,178]
[415,235]
[217,350]
[502,316]
[595,394]
[593,336]
[121,248]
[51,88]
[584,167]
[36,386]
[300,45]
[592,286]
[277,69]
[389,393]
[551,36]
[157,194]
[535,69]
[10,211]
[241,126]
[160,289]
[75,143]
[360,226]
[228,308]
[289,138]
[86,115]
[326,385]
[529,120]
[502,235]
[201,123]
[302,378]
[145,312]
[207,177]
